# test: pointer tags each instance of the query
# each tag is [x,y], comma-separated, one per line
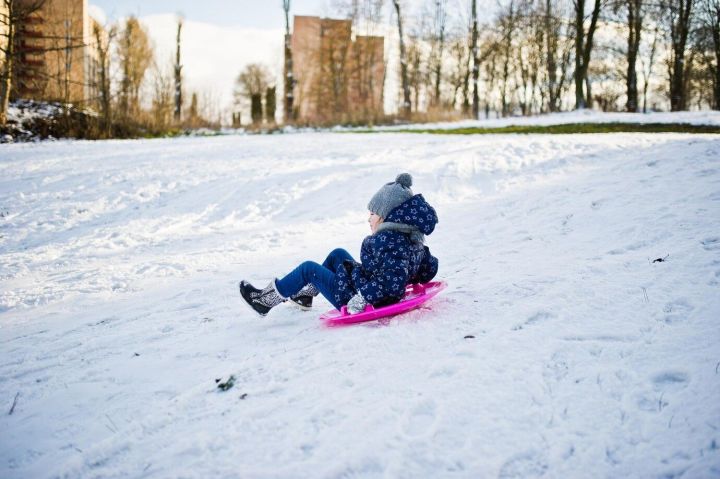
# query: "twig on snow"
[661,260]
[12,408]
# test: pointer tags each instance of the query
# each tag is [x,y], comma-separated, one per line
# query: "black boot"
[304,298]
[261,300]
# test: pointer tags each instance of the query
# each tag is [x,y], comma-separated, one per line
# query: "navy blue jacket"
[390,260]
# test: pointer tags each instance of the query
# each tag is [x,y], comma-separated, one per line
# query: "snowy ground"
[705,117]
[119,308]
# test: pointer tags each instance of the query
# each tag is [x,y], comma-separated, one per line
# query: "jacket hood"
[415,212]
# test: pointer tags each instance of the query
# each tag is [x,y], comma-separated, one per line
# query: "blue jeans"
[321,276]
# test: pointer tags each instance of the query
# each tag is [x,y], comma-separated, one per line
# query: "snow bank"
[560,348]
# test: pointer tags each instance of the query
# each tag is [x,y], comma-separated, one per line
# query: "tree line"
[526,57]
[538,56]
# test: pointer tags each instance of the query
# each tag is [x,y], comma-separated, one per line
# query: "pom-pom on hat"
[391,195]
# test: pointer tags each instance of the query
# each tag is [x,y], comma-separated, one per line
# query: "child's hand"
[356,304]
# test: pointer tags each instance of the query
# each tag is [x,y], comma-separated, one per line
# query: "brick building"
[338,79]
[56,55]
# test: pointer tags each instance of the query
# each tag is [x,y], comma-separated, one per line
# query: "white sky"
[267,14]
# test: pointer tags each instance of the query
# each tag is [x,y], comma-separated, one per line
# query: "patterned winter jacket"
[392,259]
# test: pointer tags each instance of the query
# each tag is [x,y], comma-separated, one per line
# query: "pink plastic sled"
[415,295]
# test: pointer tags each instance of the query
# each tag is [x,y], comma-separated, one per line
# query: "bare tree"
[403,63]
[366,66]
[250,86]
[135,56]
[192,118]
[16,14]
[711,20]
[491,46]
[635,14]
[530,53]
[103,40]
[647,60]
[417,78]
[438,45]
[679,21]
[162,98]
[507,25]
[583,49]
[270,104]
[332,91]
[288,78]
[178,74]
[460,74]
[476,62]
[557,52]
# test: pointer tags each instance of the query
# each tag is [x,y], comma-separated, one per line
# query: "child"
[392,257]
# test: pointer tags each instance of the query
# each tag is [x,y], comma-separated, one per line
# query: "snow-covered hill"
[560,348]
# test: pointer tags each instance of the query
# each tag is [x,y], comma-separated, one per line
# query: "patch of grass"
[568,128]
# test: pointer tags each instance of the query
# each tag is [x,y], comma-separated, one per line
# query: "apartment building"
[56,55]
[338,78]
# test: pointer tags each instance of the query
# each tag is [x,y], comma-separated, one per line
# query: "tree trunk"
[270,105]
[440,17]
[466,92]
[403,64]
[634,32]
[583,49]
[104,62]
[476,63]
[256,112]
[6,83]
[714,14]
[551,50]
[178,77]
[679,29]
[288,78]
[588,93]
[579,47]
[588,48]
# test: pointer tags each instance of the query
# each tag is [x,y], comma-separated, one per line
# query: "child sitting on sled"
[392,257]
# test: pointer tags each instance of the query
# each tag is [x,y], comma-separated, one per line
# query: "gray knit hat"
[391,195]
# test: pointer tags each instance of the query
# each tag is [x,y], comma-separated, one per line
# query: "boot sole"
[300,306]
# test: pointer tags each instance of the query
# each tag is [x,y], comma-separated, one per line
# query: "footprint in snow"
[711,244]
[420,418]
[526,464]
[557,368]
[536,318]
[677,311]
[707,172]
[670,380]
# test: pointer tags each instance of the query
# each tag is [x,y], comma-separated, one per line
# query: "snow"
[703,117]
[119,264]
